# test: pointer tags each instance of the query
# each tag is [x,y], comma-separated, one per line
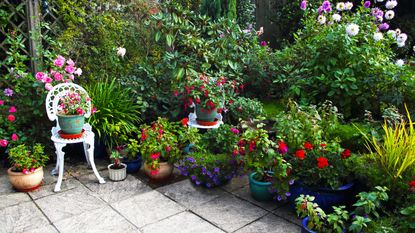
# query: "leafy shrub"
[245,13]
[24,160]
[245,109]
[221,140]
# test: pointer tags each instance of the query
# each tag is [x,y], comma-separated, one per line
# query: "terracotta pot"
[165,171]
[26,182]
[117,174]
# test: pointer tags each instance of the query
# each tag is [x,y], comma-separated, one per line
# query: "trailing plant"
[25,159]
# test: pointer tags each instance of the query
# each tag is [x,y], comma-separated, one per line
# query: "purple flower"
[203,170]
[208,185]
[190,159]
[376,12]
[236,131]
[291,182]
[216,170]
[279,198]
[287,194]
[384,26]
[197,182]
[326,6]
[193,177]
[303,5]
[320,10]
[263,43]
[366,4]
[8,92]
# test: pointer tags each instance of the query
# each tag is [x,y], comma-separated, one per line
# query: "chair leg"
[86,154]
[90,142]
[60,160]
[55,171]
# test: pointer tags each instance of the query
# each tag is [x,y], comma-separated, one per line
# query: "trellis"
[23,17]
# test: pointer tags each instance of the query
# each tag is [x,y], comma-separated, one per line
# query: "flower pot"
[204,115]
[71,124]
[164,172]
[26,182]
[117,174]
[325,197]
[260,191]
[133,166]
[304,228]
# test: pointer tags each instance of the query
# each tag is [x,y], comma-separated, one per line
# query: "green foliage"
[117,115]
[24,159]
[231,14]
[221,140]
[245,10]
[409,217]
[116,158]
[212,8]
[245,109]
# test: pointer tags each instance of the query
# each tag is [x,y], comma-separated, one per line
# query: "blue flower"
[203,170]
[216,170]
[208,185]
[291,182]
[279,198]
[190,159]
[197,182]
[287,194]
[193,177]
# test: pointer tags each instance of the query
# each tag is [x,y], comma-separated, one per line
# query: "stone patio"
[137,205]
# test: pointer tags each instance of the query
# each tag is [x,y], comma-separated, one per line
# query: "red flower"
[308,146]
[11,118]
[197,100]
[323,145]
[219,110]
[143,135]
[282,147]
[155,156]
[3,143]
[346,154]
[184,121]
[252,146]
[300,154]
[412,184]
[154,172]
[241,143]
[322,162]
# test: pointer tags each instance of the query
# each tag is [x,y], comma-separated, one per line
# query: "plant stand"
[193,123]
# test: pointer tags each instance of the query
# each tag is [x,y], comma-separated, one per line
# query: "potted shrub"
[26,173]
[263,158]
[322,171]
[159,148]
[117,170]
[340,220]
[71,110]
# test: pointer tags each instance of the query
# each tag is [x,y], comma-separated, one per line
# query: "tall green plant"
[117,115]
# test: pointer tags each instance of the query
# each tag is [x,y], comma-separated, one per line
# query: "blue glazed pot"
[205,115]
[71,124]
[134,165]
[260,191]
[325,197]
[304,228]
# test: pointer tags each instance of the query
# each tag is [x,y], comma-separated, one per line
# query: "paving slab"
[118,191]
[229,212]
[42,229]
[13,199]
[91,178]
[270,224]
[48,178]
[46,190]
[236,183]
[245,194]
[102,220]
[5,186]
[154,184]
[184,222]
[287,213]
[189,195]
[21,218]
[82,168]
[69,203]
[147,208]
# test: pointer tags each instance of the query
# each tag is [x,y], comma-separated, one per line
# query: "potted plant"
[322,171]
[159,148]
[211,162]
[117,170]
[340,220]
[209,94]
[263,158]
[131,155]
[71,110]
[26,173]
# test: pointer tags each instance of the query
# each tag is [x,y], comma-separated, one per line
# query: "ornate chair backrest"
[60,90]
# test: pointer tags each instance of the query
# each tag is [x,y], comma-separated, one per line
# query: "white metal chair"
[52,101]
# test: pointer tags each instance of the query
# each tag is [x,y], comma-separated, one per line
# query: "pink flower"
[80,111]
[235,131]
[154,172]
[48,86]
[25,171]
[57,76]
[40,76]
[11,118]
[168,148]
[155,156]
[3,143]
[48,79]
[32,169]
[93,110]
[59,61]
[1,102]
[78,72]
[12,109]
[70,62]
[15,137]
[71,77]
[70,69]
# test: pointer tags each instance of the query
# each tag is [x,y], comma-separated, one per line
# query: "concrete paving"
[137,204]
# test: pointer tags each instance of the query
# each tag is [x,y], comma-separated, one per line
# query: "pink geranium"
[3,143]
[70,69]
[59,61]
[15,137]
[12,109]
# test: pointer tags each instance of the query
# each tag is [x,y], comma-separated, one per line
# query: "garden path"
[137,205]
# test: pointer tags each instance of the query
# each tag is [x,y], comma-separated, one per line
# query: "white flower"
[78,72]
[321,19]
[340,6]
[413,48]
[349,5]
[121,51]
[400,62]
[378,36]
[379,0]
[398,31]
[391,4]
[336,17]
[352,29]
[379,19]
[392,33]
[401,44]
[389,14]
[402,38]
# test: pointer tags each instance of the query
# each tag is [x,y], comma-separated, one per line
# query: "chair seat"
[57,138]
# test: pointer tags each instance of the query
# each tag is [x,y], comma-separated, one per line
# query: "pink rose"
[11,118]
[59,61]
[15,137]
[48,80]
[70,69]
[12,109]
[70,62]
[71,77]
[78,72]
[57,76]
[40,76]
[48,86]
[3,143]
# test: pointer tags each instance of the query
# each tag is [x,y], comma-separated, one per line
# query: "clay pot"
[26,182]
[164,172]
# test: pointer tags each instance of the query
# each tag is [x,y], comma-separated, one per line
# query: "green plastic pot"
[71,124]
[260,191]
[204,114]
